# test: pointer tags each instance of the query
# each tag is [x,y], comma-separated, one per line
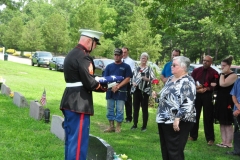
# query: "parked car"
[193,66]
[236,69]
[100,65]
[41,58]
[151,64]
[56,63]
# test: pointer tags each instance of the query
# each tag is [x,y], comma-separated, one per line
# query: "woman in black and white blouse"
[176,112]
[141,88]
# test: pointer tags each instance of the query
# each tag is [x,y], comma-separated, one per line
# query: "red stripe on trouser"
[79,136]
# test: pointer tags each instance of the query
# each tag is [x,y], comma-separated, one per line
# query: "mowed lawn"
[23,138]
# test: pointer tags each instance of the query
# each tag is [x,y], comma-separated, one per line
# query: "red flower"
[205,84]
[229,106]
[140,70]
[216,76]
[155,81]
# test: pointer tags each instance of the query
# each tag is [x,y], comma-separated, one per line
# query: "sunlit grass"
[24,138]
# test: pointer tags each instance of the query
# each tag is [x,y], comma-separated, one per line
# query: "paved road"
[16,59]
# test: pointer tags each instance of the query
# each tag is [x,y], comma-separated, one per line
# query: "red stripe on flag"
[43,98]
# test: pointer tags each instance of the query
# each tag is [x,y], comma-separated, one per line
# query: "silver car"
[41,58]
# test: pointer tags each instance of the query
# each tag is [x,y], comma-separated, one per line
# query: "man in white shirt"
[128,103]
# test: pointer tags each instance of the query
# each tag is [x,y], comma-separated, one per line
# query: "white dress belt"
[75,84]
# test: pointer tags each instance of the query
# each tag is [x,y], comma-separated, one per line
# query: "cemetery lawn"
[23,138]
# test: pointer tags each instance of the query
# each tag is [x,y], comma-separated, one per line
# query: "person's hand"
[236,113]
[102,88]
[199,87]
[97,78]
[213,84]
[115,88]
[225,69]
[176,125]
[144,78]
[134,84]
[154,94]
[201,90]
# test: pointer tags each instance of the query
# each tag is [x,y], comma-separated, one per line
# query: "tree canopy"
[196,27]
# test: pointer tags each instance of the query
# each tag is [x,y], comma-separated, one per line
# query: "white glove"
[97,78]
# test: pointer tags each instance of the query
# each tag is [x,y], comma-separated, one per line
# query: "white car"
[193,66]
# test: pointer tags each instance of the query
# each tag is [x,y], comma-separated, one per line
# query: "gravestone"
[5,89]
[98,149]
[56,127]
[36,110]
[19,100]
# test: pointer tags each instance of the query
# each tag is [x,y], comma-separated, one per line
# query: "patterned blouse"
[141,84]
[177,101]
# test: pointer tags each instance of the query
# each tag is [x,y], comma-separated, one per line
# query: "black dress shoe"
[127,121]
[232,153]
[143,129]
[134,127]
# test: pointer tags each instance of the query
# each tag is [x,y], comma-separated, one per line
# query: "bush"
[16,53]
[10,51]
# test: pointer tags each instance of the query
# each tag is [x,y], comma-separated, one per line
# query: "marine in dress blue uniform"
[77,100]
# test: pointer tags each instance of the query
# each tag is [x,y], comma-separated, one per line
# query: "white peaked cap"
[92,34]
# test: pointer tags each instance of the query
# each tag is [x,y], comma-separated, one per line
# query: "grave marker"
[36,110]
[19,100]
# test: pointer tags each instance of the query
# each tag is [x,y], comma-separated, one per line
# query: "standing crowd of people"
[180,101]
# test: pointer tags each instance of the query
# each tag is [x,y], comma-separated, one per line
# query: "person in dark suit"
[77,100]
[204,76]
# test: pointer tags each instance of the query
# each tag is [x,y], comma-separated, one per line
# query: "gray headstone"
[36,110]
[99,149]
[19,100]
[56,127]
[5,89]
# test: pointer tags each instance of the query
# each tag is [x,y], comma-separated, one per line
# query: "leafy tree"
[83,16]
[107,19]
[35,9]
[55,33]
[32,38]
[139,37]
[125,10]
[11,4]
[196,27]
[13,33]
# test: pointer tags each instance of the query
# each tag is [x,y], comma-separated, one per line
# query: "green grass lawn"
[23,138]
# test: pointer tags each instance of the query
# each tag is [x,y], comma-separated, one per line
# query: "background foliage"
[197,27]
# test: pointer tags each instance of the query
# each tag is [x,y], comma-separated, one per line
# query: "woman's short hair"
[183,61]
[228,60]
[144,54]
